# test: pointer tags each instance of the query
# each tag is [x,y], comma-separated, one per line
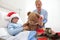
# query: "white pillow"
[3,22]
[3,32]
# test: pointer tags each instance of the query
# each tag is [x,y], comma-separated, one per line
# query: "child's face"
[15,19]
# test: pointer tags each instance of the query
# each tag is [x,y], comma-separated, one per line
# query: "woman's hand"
[40,21]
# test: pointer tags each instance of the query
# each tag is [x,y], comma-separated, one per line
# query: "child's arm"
[13,30]
[32,35]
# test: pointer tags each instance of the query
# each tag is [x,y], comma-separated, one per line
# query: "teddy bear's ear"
[28,13]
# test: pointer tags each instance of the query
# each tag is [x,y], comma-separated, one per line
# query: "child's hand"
[26,28]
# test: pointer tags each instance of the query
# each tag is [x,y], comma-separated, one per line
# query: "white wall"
[52,7]
[15,5]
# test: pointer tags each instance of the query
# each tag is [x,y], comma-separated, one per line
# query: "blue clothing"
[13,29]
[32,35]
[44,13]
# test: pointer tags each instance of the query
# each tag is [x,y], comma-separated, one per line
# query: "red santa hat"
[11,15]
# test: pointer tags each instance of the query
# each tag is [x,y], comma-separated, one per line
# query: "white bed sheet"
[21,36]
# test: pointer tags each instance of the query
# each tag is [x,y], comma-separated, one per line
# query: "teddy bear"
[33,22]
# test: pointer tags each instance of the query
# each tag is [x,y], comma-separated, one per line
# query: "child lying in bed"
[13,27]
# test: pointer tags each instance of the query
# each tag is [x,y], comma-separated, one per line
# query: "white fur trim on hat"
[12,16]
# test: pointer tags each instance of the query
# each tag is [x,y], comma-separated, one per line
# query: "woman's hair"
[38,1]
